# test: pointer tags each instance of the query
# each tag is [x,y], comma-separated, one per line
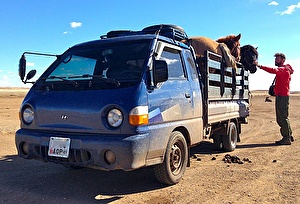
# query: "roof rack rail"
[171,31]
[118,33]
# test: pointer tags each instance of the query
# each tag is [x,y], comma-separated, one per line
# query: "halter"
[235,48]
[231,43]
[245,60]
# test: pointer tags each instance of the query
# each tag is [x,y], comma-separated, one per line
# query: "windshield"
[72,66]
[104,66]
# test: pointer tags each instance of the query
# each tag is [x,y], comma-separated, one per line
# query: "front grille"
[76,156]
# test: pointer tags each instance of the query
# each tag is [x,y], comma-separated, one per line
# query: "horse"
[233,43]
[249,55]
[228,47]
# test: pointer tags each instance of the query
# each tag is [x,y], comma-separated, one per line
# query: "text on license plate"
[59,147]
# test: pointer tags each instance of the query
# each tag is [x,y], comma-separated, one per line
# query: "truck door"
[173,99]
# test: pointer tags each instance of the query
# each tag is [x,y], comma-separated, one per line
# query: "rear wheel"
[230,140]
[175,162]
[218,143]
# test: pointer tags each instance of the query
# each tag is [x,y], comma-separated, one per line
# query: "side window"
[189,62]
[173,59]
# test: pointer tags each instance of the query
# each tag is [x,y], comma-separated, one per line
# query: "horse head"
[249,55]
[233,43]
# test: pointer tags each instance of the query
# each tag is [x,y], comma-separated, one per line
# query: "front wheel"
[175,162]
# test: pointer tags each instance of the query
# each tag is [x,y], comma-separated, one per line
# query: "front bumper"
[87,150]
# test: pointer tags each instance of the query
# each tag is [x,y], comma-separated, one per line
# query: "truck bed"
[223,110]
[226,89]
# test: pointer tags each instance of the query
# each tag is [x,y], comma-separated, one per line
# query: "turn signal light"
[139,116]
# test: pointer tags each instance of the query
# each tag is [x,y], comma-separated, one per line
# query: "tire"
[218,143]
[230,140]
[175,161]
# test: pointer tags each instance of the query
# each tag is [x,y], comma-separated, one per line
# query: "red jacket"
[283,78]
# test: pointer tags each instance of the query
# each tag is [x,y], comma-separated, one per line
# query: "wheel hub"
[176,156]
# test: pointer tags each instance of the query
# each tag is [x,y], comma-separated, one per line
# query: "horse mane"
[225,39]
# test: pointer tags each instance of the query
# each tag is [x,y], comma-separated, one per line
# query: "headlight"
[28,115]
[115,117]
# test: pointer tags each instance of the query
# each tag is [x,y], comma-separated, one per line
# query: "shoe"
[283,142]
[292,139]
[268,99]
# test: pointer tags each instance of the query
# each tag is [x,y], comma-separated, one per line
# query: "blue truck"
[129,100]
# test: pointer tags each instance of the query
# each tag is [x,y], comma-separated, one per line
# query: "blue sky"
[55,25]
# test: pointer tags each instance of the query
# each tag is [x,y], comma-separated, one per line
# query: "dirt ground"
[272,174]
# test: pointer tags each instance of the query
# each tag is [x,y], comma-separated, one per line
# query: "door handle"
[187,95]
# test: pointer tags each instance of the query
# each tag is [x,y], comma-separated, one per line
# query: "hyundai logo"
[63,117]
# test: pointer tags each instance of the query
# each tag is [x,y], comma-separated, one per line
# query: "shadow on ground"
[48,182]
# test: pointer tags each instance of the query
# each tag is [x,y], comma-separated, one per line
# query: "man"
[282,92]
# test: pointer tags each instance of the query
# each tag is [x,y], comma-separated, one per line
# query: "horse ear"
[238,37]
[256,48]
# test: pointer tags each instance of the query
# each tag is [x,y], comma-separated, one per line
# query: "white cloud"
[66,32]
[75,24]
[273,3]
[29,64]
[290,9]
[4,81]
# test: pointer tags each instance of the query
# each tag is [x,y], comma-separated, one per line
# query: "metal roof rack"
[171,31]
[118,33]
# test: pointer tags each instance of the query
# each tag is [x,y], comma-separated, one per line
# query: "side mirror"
[22,67]
[30,74]
[160,71]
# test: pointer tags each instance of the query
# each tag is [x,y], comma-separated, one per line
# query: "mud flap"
[189,157]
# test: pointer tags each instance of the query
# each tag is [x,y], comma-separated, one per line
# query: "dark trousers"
[282,115]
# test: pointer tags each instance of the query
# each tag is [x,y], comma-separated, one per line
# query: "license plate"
[59,147]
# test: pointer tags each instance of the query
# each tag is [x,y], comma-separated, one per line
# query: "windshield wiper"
[100,77]
[64,79]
